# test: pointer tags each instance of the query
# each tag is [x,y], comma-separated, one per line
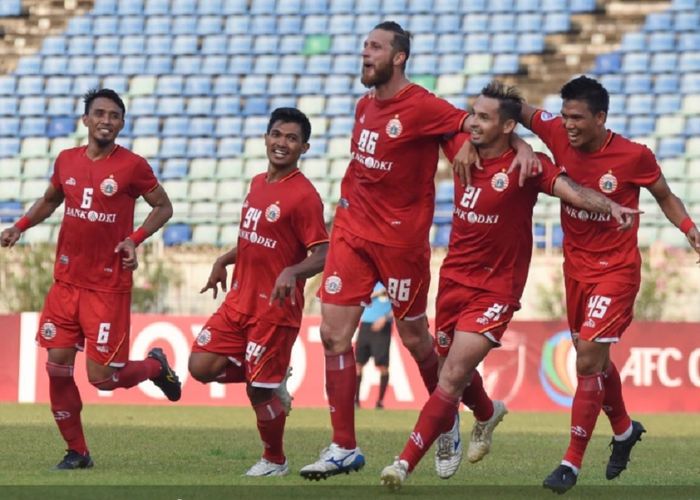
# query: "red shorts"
[464,309]
[74,316]
[354,265]
[599,312]
[265,348]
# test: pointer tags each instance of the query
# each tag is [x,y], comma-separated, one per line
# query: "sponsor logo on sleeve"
[546,116]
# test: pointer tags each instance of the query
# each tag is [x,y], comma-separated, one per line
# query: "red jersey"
[593,246]
[491,239]
[280,221]
[98,214]
[388,194]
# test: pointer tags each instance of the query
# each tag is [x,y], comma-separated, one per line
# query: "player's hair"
[110,94]
[402,38]
[587,90]
[510,102]
[291,115]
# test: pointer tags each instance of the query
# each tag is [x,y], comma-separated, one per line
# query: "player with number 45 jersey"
[89,305]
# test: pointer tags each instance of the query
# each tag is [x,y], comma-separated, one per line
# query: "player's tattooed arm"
[526,113]
[588,199]
[218,275]
[40,210]
[285,285]
[674,210]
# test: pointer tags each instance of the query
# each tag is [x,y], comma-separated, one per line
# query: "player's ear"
[600,117]
[399,58]
[305,147]
[509,125]
[85,118]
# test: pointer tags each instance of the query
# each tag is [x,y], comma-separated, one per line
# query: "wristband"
[138,236]
[686,225]
[23,223]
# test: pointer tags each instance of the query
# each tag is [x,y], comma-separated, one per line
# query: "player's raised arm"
[588,199]
[218,275]
[675,211]
[526,113]
[42,208]
[287,280]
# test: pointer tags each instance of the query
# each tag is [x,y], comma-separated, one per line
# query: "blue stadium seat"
[142,106]
[83,83]
[209,25]
[55,65]
[158,44]
[640,104]
[201,147]
[319,65]
[268,64]
[57,85]
[32,106]
[337,85]
[498,6]
[395,7]
[253,85]
[448,23]
[291,44]
[61,127]
[61,106]
[262,6]
[263,25]
[118,83]
[613,83]
[30,85]
[169,85]
[173,147]
[158,25]
[641,126]
[105,65]
[146,126]
[365,23]
[422,43]
[661,42]
[265,44]
[235,7]
[659,21]
[689,62]
[33,127]
[8,83]
[692,126]
[441,238]
[154,7]
[289,7]
[449,43]
[170,106]
[201,127]
[292,65]
[105,7]
[199,106]
[476,83]
[133,65]
[214,44]
[476,43]
[310,84]
[184,25]
[420,6]
[498,23]
[530,43]
[226,84]
[185,45]
[450,63]
[421,23]
[29,65]
[664,62]
[228,126]
[10,210]
[339,105]
[230,147]
[529,22]
[634,42]
[281,84]
[475,6]
[348,64]
[227,105]
[637,84]
[125,7]
[556,23]
[129,25]
[527,5]
[670,147]
[8,106]
[79,45]
[238,25]
[177,234]
[579,6]
[667,104]
[506,64]
[240,44]
[617,104]
[184,7]
[608,63]
[617,123]
[635,62]
[666,84]
[687,21]
[315,7]
[688,41]
[215,65]
[690,83]
[173,126]
[9,147]
[504,43]
[341,6]
[79,26]
[445,192]
[255,106]
[315,25]
[684,4]
[554,6]
[341,126]
[289,25]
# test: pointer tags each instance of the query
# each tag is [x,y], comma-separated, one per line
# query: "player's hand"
[128,250]
[463,161]
[379,324]
[217,277]
[623,215]
[694,240]
[528,162]
[10,236]
[285,286]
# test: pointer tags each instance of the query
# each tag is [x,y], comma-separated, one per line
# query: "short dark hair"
[587,90]
[402,37]
[110,94]
[510,102]
[291,115]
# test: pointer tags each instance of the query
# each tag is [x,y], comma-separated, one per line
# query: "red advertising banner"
[534,370]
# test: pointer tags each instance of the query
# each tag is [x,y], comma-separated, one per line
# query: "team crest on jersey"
[546,116]
[608,183]
[109,186]
[272,213]
[394,127]
[499,181]
[333,285]
[204,337]
[443,340]
[48,330]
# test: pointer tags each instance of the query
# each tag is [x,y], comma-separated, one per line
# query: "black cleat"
[561,480]
[74,460]
[167,381]
[621,450]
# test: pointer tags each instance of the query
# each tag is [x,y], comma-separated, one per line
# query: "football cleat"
[167,381]
[561,480]
[621,450]
[333,460]
[394,475]
[448,451]
[266,468]
[74,460]
[482,433]
[283,394]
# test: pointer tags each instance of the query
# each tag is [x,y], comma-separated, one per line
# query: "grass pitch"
[203,452]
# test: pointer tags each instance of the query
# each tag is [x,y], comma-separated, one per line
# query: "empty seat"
[176,234]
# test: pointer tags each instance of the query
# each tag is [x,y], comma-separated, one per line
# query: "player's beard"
[382,74]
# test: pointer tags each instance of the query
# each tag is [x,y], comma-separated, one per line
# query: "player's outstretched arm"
[42,208]
[218,275]
[674,210]
[287,279]
[527,111]
[588,199]
[525,159]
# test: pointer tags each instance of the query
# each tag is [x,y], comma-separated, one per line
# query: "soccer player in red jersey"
[282,240]
[380,230]
[88,306]
[483,275]
[601,264]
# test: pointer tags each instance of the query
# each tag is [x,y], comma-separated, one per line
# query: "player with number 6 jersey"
[282,241]
[601,265]
[483,276]
[89,305]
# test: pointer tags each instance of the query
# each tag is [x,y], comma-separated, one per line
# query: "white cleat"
[333,460]
[283,394]
[448,451]
[266,468]
[394,475]
[482,433]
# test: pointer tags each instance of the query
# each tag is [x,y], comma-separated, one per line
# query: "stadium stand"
[201,76]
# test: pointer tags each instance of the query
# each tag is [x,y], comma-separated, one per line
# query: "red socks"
[613,403]
[584,413]
[66,405]
[131,374]
[271,419]
[232,374]
[429,371]
[476,399]
[436,417]
[341,382]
